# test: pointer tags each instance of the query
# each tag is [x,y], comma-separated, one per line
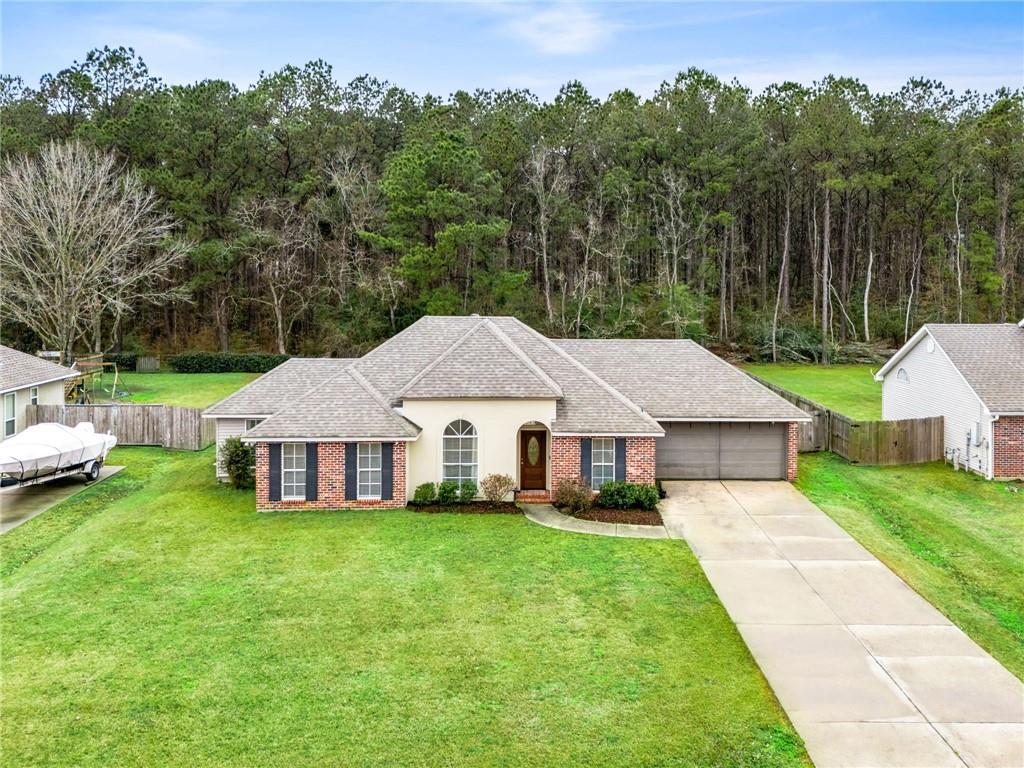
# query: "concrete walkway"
[871,675]
[547,515]
[20,504]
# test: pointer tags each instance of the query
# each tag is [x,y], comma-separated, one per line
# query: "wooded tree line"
[320,218]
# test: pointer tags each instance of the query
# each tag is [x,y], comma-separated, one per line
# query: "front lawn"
[168,623]
[849,389]
[192,390]
[956,538]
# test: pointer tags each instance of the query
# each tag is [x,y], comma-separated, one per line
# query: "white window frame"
[293,477]
[33,396]
[459,437]
[10,421]
[369,472]
[252,423]
[601,448]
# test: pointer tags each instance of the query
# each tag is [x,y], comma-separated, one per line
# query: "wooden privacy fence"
[902,441]
[134,424]
[147,364]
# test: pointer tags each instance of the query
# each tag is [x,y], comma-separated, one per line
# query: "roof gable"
[988,356]
[483,363]
[346,407]
[19,370]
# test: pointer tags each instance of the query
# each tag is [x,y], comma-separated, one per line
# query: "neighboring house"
[459,398]
[972,376]
[28,380]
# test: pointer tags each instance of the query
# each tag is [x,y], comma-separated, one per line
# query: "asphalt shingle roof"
[613,387]
[483,363]
[19,370]
[346,407]
[277,388]
[990,356]
[679,379]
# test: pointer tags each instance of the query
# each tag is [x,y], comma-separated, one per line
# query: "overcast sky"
[441,47]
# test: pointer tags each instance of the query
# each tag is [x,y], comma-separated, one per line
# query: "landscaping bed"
[612,515]
[470,508]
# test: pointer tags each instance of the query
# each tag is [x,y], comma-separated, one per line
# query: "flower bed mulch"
[631,516]
[471,508]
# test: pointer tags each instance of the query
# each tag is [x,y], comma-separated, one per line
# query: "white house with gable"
[973,376]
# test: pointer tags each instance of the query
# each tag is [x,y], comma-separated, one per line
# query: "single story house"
[459,398]
[973,376]
[28,380]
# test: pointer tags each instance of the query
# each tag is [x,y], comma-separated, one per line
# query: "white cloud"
[558,29]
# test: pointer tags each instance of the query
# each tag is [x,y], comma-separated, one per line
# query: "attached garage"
[693,450]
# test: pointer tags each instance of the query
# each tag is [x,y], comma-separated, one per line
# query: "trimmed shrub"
[424,494]
[239,462]
[574,494]
[447,492]
[224,362]
[496,487]
[622,495]
[467,491]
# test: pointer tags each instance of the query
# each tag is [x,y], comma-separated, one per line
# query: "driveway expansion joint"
[868,671]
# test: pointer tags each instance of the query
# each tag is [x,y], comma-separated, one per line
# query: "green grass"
[849,389]
[192,390]
[163,621]
[956,538]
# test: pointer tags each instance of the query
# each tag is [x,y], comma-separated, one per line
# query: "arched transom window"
[460,451]
[902,375]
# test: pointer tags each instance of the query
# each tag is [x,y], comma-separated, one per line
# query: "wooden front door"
[533,461]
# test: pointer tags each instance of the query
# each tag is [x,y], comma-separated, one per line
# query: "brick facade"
[565,462]
[640,460]
[792,443]
[1008,448]
[330,481]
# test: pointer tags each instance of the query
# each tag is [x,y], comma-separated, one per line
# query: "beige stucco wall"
[49,394]
[497,423]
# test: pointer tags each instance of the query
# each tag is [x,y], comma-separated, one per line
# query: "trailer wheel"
[93,472]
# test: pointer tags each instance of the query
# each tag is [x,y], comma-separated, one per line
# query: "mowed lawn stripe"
[179,626]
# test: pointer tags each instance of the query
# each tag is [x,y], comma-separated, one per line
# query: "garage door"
[727,450]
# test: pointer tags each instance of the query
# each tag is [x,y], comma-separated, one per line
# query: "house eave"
[310,439]
[64,377]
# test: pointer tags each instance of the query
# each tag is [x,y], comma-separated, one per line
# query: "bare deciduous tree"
[82,239]
[281,243]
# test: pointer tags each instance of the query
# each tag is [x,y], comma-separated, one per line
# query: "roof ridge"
[516,350]
[428,368]
[590,374]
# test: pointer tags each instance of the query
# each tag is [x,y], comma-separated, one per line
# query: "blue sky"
[441,47]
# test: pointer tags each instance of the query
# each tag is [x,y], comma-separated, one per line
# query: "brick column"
[1008,448]
[792,443]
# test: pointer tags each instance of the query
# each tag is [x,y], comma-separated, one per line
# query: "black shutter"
[585,467]
[275,471]
[387,473]
[311,471]
[351,471]
[620,458]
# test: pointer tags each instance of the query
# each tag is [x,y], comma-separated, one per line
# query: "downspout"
[992,419]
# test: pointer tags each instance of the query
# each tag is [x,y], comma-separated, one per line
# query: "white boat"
[44,450]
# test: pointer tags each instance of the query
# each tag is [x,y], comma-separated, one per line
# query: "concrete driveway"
[871,674]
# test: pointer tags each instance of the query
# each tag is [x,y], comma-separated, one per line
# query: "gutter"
[65,377]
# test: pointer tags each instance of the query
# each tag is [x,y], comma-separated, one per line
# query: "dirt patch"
[472,508]
[630,516]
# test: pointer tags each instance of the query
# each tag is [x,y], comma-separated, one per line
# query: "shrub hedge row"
[125,360]
[225,362]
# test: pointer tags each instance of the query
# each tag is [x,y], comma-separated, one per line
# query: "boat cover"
[47,448]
